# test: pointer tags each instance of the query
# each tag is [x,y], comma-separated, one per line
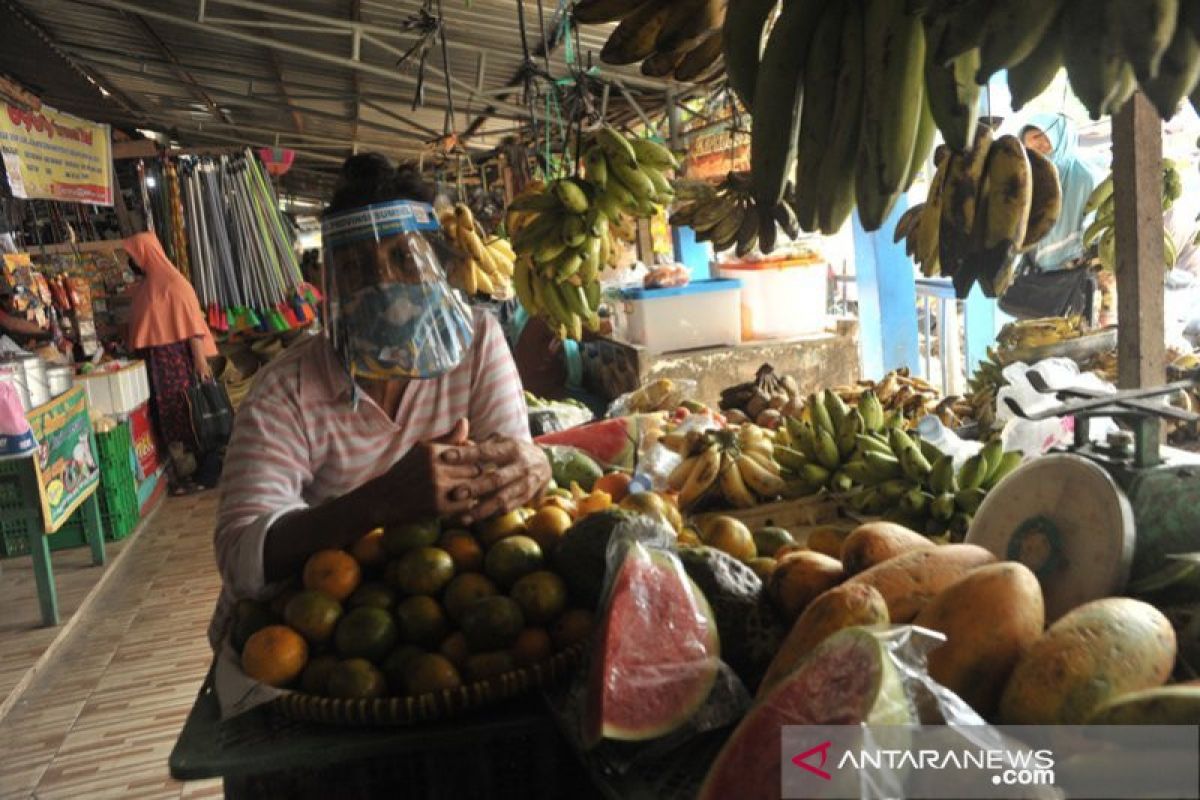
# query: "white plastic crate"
[116,392]
[781,299]
[702,314]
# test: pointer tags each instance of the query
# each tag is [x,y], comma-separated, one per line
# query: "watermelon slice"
[612,442]
[849,679]
[657,652]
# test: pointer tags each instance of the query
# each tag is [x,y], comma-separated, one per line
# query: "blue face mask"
[405,330]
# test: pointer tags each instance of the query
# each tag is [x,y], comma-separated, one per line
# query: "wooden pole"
[1137,179]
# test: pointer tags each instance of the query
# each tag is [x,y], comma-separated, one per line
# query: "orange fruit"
[731,536]
[496,528]
[548,525]
[510,559]
[591,503]
[464,550]
[275,655]
[366,633]
[430,672]
[464,590]
[533,646]
[788,549]
[369,551]
[481,666]
[315,678]
[372,593]
[455,648]
[423,570]
[334,572]
[421,621]
[572,627]
[614,484]
[279,602]
[542,596]
[652,505]
[763,566]
[492,623]
[399,539]
[557,501]
[356,679]
[313,615]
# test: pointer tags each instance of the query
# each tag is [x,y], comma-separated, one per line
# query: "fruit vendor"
[407,407]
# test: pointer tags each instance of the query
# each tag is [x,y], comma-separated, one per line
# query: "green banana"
[650,153]
[742,44]
[634,38]
[627,172]
[871,410]
[614,144]
[788,458]
[777,93]
[943,507]
[858,471]
[827,450]
[893,489]
[915,465]
[836,408]
[1091,52]
[952,94]
[573,231]
[820,100]
[1178,70]
[821,419]
[1011,31]
[1030,77]
[991,454]
[571,195]
[870,443]
[568,266]
[806,440]
[941,476]
[972,473]
[595,166]
[1008,463]
[523,285]
[814,474]
[848,430]
[931,453]
[899,441]
[969,500]
[835,176]
[914,502]
[882,467]
[1145,29]
[747,235]
[964,28]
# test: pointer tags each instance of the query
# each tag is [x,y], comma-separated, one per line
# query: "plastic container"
[116,392]
[59,380]
[702,314]
[780,299]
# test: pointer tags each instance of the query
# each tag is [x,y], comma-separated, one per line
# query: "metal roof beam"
[179,69]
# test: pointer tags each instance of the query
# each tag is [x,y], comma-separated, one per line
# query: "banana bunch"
[909,481]
[563,232]
[1024,334]
[985,384]
[985,207]
[1103,232]
[727,215]
[735,464]
[1110,48]
[763,401]
[672,38]
[490,261]
[901,395]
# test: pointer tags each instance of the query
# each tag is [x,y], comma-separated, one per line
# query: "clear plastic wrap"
[656,461]
[663,394]
[656,677]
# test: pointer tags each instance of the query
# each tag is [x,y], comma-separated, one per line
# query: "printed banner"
[68,470]
[55,156]
[144,445]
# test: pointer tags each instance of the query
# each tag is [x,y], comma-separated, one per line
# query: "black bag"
[212,415]
[1061,293]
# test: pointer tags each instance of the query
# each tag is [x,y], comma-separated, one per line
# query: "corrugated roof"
[219,72]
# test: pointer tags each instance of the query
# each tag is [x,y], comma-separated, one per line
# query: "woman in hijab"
[1054,136]
[167,323]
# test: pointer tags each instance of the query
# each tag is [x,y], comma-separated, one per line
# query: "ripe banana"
[487,267]
[733,483]
[1045,203]
[702,477]
[761,480]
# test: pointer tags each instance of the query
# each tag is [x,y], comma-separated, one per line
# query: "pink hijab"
[165,307]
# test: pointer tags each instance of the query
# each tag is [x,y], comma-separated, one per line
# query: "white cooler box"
[781,299]
[117,392]
[702,314]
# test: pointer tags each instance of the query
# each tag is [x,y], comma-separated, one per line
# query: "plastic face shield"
[391,312]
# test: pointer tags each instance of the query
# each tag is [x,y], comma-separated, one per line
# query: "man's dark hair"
[370,178]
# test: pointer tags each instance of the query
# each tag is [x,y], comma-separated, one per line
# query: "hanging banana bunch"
[1103,232]
[489,261]
[727,215]
[985,207]
[679,39]
[563,235]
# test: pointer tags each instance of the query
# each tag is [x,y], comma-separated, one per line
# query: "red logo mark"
[801,760]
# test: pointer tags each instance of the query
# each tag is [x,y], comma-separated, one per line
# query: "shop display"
[985,207]
[488,264]
[1102,231]
[727,215]
[680,38]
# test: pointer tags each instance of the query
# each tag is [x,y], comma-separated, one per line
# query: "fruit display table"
[510,750]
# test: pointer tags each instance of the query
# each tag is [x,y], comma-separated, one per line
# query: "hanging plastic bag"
[656,678]
[1034,437]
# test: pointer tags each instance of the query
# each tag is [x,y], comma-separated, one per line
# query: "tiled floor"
[101,718]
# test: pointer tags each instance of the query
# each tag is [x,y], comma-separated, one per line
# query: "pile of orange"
[416,608]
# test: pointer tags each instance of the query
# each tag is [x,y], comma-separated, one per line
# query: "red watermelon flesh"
[656,655]
[847,680]
[612,442]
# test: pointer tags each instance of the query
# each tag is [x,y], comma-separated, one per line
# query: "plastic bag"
[1034,438]
[663,394]
[550,416]
[657,461]
[656,678]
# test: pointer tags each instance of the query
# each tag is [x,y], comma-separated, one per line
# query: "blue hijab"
[1077,177]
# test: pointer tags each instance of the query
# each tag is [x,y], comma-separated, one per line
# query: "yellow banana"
[679,476]
[1045,204]
[759,479]
[707,468]
[733,484]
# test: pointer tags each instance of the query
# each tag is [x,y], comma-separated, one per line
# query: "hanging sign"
[715,146]
[54,156]
[66,464]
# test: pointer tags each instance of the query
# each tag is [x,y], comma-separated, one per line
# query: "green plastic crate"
[116,446]
[14,541]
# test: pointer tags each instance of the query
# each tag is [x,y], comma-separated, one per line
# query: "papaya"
[1166,705]
[876,542]
[799,578]
[908,582]
[841,607]
[983,647]
[1093,654]
[827,540]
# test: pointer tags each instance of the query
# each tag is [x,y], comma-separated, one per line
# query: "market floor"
[101,718]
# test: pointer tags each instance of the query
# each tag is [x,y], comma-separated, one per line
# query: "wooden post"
[1137,179]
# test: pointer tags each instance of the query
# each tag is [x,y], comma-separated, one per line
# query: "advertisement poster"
[54,156]
[68,470]
[717,145]
[144,446]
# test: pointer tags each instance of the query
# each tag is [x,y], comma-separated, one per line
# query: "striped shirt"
[299,442]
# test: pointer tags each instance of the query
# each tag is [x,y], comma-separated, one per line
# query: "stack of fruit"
[985,207]
[561,237]
[676,38]
[488,264]
[1030,334]
[900,394]
[417,609]
[765,401]
[735,464]
[1103,232]
[826,447]
[727,215]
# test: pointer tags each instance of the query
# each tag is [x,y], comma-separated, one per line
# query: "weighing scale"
[1096,518]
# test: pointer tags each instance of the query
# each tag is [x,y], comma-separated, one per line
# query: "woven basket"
[432,706]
